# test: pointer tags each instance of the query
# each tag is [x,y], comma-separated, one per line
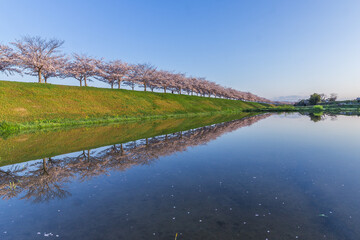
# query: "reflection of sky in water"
[281,178]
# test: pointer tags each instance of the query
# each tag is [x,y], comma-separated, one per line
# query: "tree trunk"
[144,86]
[164,89]
[85,81]
[80,83]
[180,91]
[45,79]
[119,84]
[112,85]
[45,166]
[39,76]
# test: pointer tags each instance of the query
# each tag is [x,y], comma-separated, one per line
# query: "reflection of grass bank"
[8,128]
[18,148]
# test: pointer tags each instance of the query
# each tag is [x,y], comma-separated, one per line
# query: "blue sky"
[270,48]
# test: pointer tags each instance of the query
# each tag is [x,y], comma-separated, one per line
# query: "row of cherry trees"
[42,58]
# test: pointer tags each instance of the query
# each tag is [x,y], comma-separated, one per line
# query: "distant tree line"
[317,98]
[42,58]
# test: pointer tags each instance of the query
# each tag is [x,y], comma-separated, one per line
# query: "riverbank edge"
[325,110]
[9,128]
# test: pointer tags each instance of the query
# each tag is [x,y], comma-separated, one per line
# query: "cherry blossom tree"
[105,74]
[8,60]
[54,68]
[165,79]
[179,80]
[83,68]
[35,53]
[132,76]
[145,73]
[190,85]
[114,72]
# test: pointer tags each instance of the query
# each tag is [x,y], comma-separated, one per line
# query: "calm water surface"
[264,177]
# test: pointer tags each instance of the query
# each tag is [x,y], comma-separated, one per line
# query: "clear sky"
[272,48]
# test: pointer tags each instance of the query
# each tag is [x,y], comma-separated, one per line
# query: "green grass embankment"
[31,105]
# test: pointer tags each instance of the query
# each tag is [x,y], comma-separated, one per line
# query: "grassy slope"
[29,102]
[25,147]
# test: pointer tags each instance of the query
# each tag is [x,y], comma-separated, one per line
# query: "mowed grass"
[34,102]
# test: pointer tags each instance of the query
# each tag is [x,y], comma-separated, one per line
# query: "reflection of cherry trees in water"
[45,180]
[42,181]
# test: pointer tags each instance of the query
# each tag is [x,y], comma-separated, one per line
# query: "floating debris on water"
[48,234]
[322,215]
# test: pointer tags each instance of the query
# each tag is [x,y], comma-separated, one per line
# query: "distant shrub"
[287,107]
[318,108]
